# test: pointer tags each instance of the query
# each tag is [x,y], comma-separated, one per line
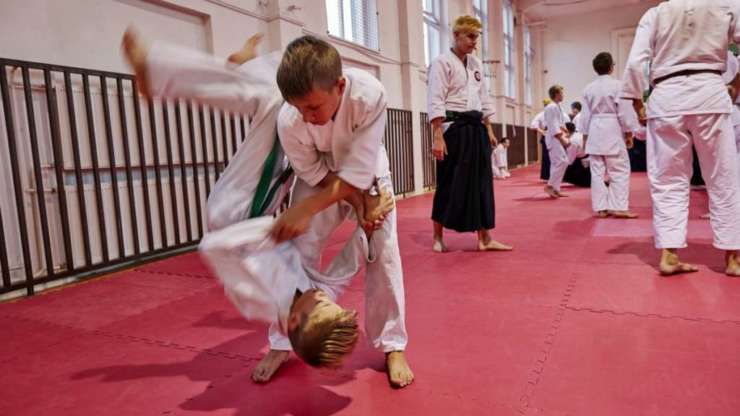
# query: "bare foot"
[439,247]
[135,50]
[267,367]
[399,372]
[602,214]
[733,264]
[493,245]
[248,51]
[551,192]
[670,264]
[561,195]
[625,215]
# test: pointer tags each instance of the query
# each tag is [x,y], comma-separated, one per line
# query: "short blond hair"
[308,62]
[467,23]
[546,102]
[327,342]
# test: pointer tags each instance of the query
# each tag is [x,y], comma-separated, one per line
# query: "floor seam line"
[651,315]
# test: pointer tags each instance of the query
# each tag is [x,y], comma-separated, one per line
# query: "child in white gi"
[501,160]
[607,138]
[556,140]
[688,105]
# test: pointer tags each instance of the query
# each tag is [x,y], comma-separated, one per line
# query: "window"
[433,28]
[528,67]
[480,11]
[509,68]
[354,20]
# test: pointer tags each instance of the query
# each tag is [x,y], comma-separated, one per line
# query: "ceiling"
[543,9]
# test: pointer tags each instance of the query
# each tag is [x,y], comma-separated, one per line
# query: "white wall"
[571,42]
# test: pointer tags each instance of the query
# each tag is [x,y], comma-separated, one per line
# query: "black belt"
[463,116]
[686,73]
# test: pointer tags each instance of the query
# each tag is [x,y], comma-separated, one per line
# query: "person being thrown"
[266,274]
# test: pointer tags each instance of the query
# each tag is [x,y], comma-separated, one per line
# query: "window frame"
[356,22]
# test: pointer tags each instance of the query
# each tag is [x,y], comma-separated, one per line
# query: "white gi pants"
[384,293]
[669,170]
[558,164]
[614,197]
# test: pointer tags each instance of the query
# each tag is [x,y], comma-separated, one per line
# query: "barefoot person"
[688,105]
[318,209]
[556,140]
[607,137]
[460,110]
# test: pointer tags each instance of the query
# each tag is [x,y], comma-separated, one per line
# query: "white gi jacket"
[603,118]
[454,86]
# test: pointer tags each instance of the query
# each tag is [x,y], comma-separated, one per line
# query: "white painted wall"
[571,42]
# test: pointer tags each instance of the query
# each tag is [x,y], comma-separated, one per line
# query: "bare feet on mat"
[602,214]
[670,264]
[561,195]
[733,263]
[135,50]
[269,364]
[248,51]
[624,215]
[486,243]
[439,246]
[551,192]
[399,372]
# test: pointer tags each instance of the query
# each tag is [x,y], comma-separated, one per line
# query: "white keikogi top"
[454,86]
[683,35]
[555,120]
[603,119]
[351,144]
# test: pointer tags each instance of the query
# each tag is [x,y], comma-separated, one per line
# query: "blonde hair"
[325,343]
[546,102]
[308,62]
[465,24]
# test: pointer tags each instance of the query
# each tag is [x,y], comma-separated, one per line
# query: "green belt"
[264,193]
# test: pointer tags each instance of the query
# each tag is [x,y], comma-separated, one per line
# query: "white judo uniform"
[688,108]
[733,68]
[605,126]
[500,161]
[555,120]
[351,146]
[259,277]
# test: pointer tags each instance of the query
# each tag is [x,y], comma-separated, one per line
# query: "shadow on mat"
[698,252]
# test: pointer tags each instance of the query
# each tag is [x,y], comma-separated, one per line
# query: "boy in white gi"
[501,160]
[332,129]
[266,277]
[556,140]
[460,112]
[538,123]
[688,105]
[607,138]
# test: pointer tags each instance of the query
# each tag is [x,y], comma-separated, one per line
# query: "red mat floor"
[575,321]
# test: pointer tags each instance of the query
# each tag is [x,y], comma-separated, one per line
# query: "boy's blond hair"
[554,90]
[546,102]
[466,24]
[308,62]
[325,343]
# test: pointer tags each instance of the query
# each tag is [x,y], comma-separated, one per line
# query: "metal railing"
[95,177]
[428,164]
[399,142]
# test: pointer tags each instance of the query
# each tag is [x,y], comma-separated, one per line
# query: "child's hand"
[290,225]
[629,140]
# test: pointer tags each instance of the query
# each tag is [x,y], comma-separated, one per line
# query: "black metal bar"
[4,267]
[79,181]
[171,171]
[204,146]
[143,168]
[214,142]
[52,108]
[38,179]
[242,128]
[95,168]
[183,171]
[113,168]
[13,153]
[62,68]
[194,163]
[233,135]
[157,173]
[224,145]
[127,163]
